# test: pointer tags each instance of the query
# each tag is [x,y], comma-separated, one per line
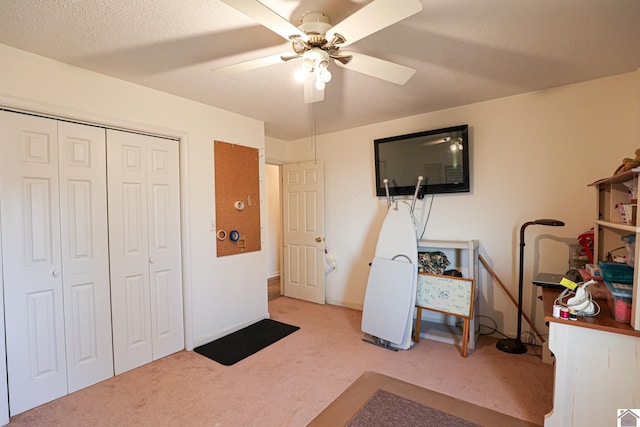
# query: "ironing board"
[390,297]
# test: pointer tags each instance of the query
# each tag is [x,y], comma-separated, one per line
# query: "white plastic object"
[581,302]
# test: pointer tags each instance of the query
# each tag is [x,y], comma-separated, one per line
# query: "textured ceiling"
[464,51]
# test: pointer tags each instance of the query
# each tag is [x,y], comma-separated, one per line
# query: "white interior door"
[85,254]
[165,265]
[32,263]
[128,250]
[303,231]
[144,227]
[55,249]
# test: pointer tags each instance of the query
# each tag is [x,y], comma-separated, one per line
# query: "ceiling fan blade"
[267,17]
[373,17]
[251,65]
[289,56]
[343,59]
[379,68]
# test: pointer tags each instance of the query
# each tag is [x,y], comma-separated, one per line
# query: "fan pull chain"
[313,132]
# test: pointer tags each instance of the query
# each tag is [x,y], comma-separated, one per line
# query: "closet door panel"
[165,267]
[137,322]
[31,255]
[85,254]
[4,392]
[129,254]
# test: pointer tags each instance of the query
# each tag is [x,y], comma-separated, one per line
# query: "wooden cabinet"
[596,370]
[610,225]
[596,358]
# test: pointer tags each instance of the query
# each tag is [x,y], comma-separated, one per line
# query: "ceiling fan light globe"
[325,76]
[300,75]
[320,85]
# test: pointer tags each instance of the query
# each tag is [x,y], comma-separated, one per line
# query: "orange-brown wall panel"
[237,188]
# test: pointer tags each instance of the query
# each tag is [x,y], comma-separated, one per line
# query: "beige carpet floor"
[292,381]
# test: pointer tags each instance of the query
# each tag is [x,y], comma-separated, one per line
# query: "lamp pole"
[515,345]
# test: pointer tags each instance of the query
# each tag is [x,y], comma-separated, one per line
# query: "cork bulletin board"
[237,187]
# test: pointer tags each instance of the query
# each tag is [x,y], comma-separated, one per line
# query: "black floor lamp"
[514,345]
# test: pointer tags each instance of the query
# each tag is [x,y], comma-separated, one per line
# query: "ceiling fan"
[315,40]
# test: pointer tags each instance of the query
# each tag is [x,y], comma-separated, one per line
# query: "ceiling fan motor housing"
[315,23]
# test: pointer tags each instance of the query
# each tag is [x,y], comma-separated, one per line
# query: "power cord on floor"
[535,341]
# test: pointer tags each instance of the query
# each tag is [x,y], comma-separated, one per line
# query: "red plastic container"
[620,308]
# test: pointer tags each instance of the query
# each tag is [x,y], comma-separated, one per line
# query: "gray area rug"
[388,409]
[375,399]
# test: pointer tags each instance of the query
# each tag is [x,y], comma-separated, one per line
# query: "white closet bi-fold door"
[55,258]
[144,228]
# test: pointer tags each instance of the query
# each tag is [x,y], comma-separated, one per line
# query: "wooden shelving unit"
[610,227]
[446,333]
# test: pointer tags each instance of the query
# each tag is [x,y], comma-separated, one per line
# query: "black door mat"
[238,345]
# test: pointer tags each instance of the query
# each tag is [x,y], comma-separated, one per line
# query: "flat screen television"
[440,156]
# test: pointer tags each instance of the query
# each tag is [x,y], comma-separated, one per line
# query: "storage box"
[619,299]
[594,271]
[620,308]
[616,272]
[630,245]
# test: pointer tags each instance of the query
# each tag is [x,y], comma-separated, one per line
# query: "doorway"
[297,239]
[273,229]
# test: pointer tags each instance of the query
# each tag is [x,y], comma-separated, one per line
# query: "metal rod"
[415,194]
[386,189]
[511,298]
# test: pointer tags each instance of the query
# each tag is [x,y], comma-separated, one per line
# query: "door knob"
[319,239]
[152,260]
[55,273]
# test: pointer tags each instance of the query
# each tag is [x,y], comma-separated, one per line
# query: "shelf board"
[616,179]
[448,244]
[618,226]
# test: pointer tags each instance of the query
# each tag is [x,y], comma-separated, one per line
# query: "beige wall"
[221,294]
[532,157]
